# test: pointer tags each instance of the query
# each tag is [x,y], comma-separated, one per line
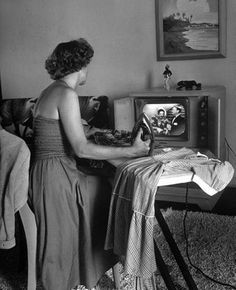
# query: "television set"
[201,117]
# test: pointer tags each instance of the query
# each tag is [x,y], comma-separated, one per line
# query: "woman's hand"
[141,147]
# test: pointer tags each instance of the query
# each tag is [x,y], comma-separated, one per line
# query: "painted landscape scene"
[190,26]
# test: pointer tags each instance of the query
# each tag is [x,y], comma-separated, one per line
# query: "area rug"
[211,247]
[211,240]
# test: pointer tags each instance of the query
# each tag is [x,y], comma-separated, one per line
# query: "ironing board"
[166,179]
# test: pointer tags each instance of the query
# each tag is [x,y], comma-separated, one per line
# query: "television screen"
[169,117]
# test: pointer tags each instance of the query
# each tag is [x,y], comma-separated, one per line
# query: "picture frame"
[190,31]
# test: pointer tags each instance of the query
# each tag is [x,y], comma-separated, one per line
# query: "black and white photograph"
[117,145]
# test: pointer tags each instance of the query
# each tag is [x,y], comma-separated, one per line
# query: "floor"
[15,259]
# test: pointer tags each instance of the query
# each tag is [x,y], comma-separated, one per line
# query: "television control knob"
[203,123]
[203,104]
[203,114]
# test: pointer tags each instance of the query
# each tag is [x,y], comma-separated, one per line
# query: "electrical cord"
[187,246]
[229,147]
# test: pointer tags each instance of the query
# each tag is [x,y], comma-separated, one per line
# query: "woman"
[70,247]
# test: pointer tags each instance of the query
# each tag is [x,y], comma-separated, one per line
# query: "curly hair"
[69,57]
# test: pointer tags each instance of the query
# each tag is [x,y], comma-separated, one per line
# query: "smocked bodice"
[49,139]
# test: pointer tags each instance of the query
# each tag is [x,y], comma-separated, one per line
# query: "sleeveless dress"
[71,213]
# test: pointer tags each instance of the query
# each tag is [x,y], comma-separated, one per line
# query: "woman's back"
[49,138]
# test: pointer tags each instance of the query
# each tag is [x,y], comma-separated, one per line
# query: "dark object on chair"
[17,111]
[17,114]
[101,118]
[189,85]
[17,117]
[95,111]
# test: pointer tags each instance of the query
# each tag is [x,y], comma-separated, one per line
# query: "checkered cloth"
[132,213]
[211,175]
[132,216]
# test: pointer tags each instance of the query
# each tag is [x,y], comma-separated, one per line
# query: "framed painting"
[190,29]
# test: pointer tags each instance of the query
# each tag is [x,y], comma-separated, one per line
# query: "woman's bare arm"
[69,112]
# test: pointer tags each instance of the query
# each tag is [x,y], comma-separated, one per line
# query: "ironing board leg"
[174,249]
[163,268]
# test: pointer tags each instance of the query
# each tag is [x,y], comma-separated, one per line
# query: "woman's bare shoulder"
[54,97]
[58,94]
[68,103]
[67,95]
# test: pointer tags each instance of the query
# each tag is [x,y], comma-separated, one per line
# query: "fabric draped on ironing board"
[211,175]
[132,213]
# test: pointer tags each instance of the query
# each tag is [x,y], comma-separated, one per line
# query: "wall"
[123,35]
